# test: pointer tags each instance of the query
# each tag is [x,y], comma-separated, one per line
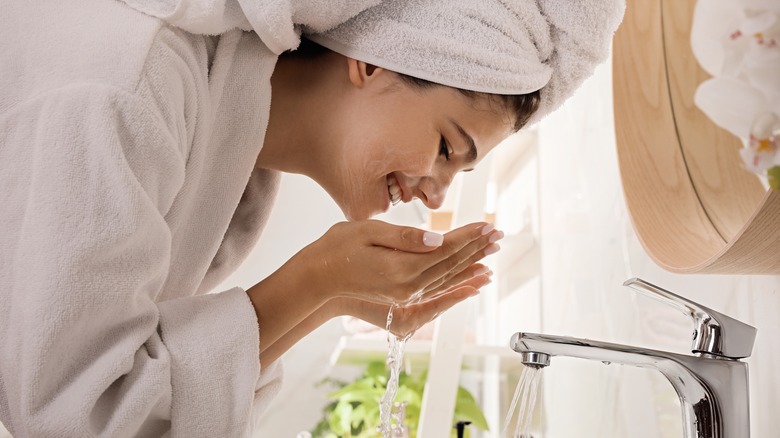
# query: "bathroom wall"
[588,250]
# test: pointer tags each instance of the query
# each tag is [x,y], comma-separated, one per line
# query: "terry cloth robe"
[126,150]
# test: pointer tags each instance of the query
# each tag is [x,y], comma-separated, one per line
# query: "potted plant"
[354,409]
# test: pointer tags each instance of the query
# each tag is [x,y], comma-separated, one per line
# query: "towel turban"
[490,46]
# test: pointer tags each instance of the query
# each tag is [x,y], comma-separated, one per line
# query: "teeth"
[394,190]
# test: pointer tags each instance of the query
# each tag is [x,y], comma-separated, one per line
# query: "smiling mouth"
[393,189]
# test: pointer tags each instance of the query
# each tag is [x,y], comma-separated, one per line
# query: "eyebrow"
[471,155]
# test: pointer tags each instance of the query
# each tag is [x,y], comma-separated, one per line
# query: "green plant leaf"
[362,390]
[408,395]
[358,417]
[355,410]
[344,412]
[376,370]
[369,433]
[467,409]
[334,423]
[320,429]
[371,419]
[413,414]
[362,396]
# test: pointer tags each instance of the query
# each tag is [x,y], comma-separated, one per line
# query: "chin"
[356,210]
[354,215]
[349,215]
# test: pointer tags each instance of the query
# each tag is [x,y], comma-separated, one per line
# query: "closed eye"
[444,149]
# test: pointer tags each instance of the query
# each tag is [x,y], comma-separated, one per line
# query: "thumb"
[402,238]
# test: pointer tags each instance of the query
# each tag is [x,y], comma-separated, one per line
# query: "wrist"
[290,286]
[311,272]
[338,306]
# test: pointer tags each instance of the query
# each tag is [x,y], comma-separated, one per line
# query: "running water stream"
[527,391]
[395,356]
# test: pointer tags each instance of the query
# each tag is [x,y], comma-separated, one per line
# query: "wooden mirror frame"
[692,204]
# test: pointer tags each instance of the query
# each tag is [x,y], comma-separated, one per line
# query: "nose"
[432,191]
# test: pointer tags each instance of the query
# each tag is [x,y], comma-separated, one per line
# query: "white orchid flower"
[738,43]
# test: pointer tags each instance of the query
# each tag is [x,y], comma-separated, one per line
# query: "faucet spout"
[713,390]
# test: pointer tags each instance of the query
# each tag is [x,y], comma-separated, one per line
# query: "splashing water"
[528,389]
[395,355]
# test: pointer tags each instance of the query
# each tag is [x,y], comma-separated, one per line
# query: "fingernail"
[490,273]
[488,228]
[481,270]
[495,237]
[432,239]
[492,249]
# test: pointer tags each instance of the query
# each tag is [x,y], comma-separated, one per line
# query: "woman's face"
[396,143]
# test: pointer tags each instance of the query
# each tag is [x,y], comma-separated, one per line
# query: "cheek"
[390,145]
[376,156]
[359,172]
[360,153]
[417,161]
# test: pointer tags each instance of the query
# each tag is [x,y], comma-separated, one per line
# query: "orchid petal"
[713,21]
[731,104]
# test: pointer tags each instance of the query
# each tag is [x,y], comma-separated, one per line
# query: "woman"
[140,146]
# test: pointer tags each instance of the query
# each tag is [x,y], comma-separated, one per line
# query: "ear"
[361,73]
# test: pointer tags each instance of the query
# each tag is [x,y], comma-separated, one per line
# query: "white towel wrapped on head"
[492,46]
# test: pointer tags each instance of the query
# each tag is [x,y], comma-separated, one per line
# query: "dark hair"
[520,106]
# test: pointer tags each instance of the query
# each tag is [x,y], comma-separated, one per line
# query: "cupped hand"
[408,319]
[383,263]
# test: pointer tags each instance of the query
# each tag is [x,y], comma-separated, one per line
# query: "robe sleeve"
[87,175]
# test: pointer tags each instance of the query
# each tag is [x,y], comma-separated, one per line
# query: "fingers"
[437,305]
[457,239]
[476,275]
[423,261]
[408,319]
[448,280]
[467,255]
[402,238]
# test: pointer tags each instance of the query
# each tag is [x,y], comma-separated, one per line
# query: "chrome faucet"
[712,383]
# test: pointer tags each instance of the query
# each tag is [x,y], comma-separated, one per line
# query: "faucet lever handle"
[714,333]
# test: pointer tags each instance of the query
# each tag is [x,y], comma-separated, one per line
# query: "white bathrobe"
[126,150]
